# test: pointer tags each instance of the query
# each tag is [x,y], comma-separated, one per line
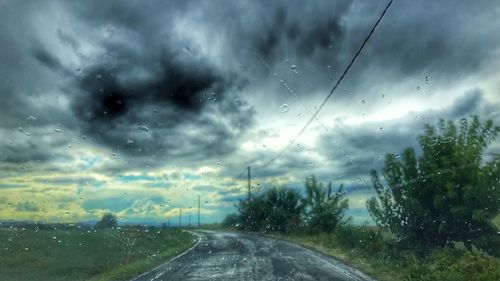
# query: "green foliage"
[230,221]
[282,210]
[449,193]
[274,210]
[324,210]
[454,265]
[108,220]
[364,238]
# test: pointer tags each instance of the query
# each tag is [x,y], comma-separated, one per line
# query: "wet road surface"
[237,256]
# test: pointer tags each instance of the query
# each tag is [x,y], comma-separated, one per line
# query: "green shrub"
[324,210]
[276,210]
[455,265]
[366,239]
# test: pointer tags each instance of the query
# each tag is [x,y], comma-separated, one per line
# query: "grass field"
[86,254]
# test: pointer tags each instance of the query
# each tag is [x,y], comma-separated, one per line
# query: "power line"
[313,117]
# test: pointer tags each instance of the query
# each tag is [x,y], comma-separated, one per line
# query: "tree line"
[447,190]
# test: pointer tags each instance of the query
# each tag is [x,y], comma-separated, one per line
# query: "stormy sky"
[138,107]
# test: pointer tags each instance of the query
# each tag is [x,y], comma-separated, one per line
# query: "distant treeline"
[105,222]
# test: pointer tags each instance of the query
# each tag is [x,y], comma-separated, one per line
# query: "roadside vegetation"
[70,252]
[435,210]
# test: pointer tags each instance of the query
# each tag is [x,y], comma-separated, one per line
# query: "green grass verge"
[441,264]
[79,254]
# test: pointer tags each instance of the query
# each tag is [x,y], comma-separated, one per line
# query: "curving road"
[237,256]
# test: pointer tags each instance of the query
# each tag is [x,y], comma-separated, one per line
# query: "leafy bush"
[367,239]
[323,209]
[455,265]
[274,210]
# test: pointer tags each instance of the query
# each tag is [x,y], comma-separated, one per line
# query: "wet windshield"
[249,140]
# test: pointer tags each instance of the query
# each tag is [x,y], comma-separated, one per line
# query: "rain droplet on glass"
[143,128]
[284,108]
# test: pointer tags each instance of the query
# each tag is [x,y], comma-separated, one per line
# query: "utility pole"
[199,210]
[180,217]
[189,216]
[249,184]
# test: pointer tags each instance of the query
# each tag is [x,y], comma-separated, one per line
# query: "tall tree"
[449,193]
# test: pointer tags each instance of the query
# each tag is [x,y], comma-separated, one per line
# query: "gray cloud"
[27,206]
[187,84]
[362,148]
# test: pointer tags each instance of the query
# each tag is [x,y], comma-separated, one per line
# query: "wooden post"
[249,184]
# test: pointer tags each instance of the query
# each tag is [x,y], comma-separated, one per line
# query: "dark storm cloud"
[442,40]
[288,26]
[46,58]
[153,95]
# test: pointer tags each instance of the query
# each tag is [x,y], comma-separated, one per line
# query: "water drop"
[212,97]
[237,101]
[447,139]
[143,128]
[58,130]
[31,118]
[130,141]
[284,108]
[363,101]
[293,67]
